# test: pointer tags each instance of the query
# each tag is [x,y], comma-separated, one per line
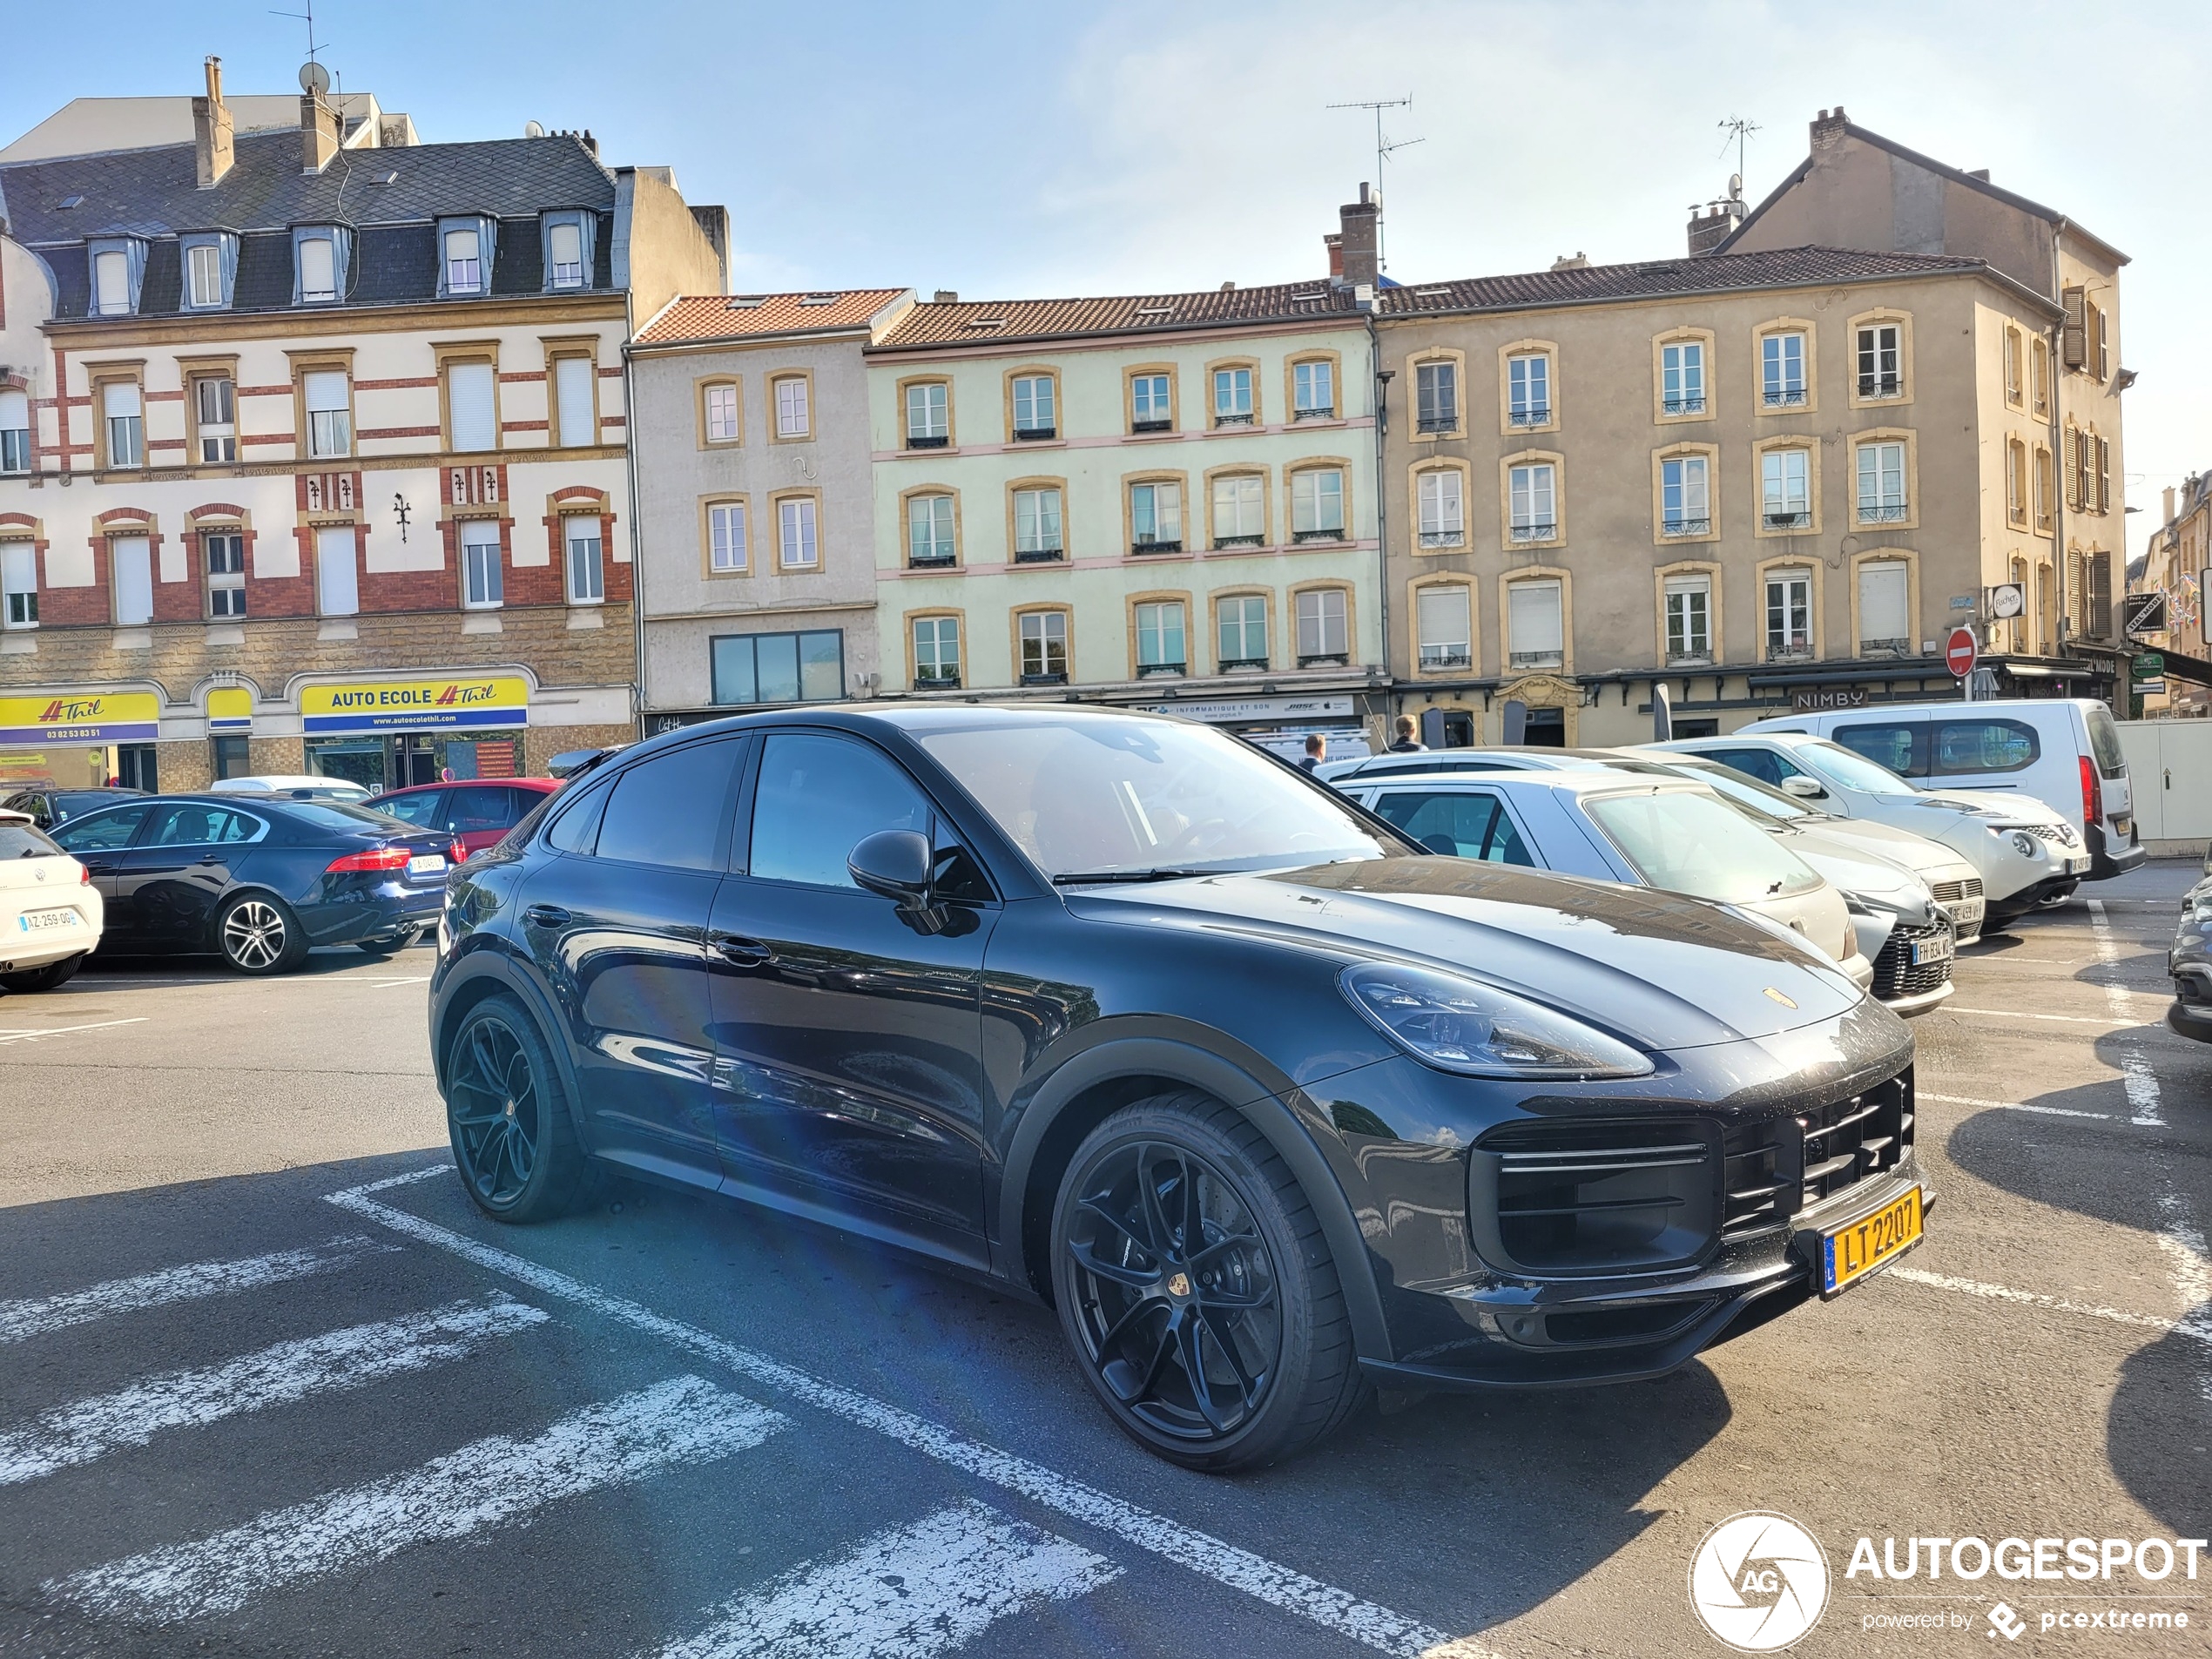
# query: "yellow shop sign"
[435,702]
[81,717]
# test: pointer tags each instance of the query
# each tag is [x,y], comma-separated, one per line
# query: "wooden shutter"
[2072,348]
[2100,596]
[2104,474]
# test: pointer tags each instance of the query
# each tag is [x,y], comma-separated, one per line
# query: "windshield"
[22,841]
[1106,794]
[1765,804]
[1688,841]
[1851,769]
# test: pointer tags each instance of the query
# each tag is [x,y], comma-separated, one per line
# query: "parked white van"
[2063,752]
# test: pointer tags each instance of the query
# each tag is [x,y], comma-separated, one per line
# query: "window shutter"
[2104,474]
[2073,472]
[15,412]
[469,395]
[133,556]
[2076,317]
[2100,618]
[1884,612]
[120,398]
[337,590]
[1443,621]
[579,419]
[1534,619]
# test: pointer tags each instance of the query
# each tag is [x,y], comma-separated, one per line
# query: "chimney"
[318,133]
[1356,244]
[946,297]
[2168,519]
[1828,129]
[1579,262]
[1333,242]
[1713,224]
[212,131]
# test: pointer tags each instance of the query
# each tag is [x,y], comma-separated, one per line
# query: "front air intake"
[1588,1197]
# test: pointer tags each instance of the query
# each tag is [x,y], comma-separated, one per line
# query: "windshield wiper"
[1087,878]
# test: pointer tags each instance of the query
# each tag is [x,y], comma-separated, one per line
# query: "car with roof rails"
[1270,1103]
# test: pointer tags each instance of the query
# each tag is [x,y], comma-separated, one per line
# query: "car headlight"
[2026,844]
[1477,1030]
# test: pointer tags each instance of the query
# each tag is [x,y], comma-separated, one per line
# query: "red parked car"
[476,810]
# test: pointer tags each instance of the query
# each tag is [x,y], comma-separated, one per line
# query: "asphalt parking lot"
[269,1386]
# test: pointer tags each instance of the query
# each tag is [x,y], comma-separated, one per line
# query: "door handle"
[545,916]
[745,953]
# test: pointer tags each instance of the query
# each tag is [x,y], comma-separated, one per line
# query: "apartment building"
[1162,500]
[756,517]
[2177,566]
[313,444]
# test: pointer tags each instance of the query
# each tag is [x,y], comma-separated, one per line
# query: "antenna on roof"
[313,77]
[1738,129]
[1383,146]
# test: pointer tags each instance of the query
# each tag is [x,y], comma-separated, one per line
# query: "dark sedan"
[2188,961]
[1275,1108]
[51,805]
[259,882]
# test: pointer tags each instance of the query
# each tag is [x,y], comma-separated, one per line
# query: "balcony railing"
[1786,398]
[1881,385]
[1156,544]
[1239,541]
[1797,520]
[1535,530]
[1034,433]
[937,682]
[1534,659]
[1315,412]
[929,560]
[1683,405]
[1434,657]
[1884,648]
[1151,425]
[1883,512]
[1220,418]
[1689,658]
[1234,664]
[926,440]
[1051,676]
[1447,422]
[1159,670]
[1442,538]
[1039,555]
[1330,534]
[1686,527]
[1789,648]
[1324,659]
[1532,414]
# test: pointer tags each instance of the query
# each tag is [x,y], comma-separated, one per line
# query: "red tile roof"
[968,323]
[735,316]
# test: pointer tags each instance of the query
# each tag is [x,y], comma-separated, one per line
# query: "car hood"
[1930,859]
[1664,971]
[2013,809]
[1854,867]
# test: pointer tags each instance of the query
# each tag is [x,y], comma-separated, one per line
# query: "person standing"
[1407,740]
[1317,750]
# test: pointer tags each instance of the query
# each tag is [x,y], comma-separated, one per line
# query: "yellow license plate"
[1850,1252]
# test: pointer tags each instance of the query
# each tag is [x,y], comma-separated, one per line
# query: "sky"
[1010,149]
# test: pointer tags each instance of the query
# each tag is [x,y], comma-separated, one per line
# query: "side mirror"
[1803,788]
[896,864]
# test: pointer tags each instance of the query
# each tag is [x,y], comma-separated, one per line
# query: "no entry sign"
[1960,653]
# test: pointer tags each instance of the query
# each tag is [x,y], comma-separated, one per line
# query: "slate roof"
[694,317]
[1658,279]
[968,323]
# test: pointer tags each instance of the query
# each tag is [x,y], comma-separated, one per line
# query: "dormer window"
[211,269]
[568,237]
[466,250]
[320,254]
[118,267]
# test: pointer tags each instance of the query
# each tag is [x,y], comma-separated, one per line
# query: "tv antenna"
[313,77]
[1385,146]
[1738,129]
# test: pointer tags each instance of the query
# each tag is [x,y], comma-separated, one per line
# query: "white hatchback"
[51,914]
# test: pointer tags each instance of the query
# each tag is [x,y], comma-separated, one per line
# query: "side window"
[189,824]
[1465,826]
[104,832]
[1762,764]
[576,826]
[819,798]
[1902,748]
[1985,745]
[421,810]
[480,809]
[669,810]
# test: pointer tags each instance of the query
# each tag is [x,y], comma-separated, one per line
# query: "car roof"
[547,785]
[1589,780]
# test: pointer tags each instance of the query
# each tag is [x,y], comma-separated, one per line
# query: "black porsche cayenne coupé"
[1272,1107]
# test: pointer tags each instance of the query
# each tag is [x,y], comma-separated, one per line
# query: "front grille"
[1894,972]
[1778,1166]
[2061,834]
[1587,1197]
[1952,892]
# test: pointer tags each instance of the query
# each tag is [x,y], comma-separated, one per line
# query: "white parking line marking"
[909,1593]
[2060,1018]
[2009,1105]
[358,1355]
[1283,1587]
[42,1314]
[616,1443]
[386,984]
[2057,1304]
[32,1034]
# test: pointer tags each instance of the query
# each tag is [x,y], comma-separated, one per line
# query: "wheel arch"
[248,890]
[475,979]
[1093,1085]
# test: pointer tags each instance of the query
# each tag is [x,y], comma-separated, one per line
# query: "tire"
[390,944]
[506,1113]
[46,977]
[258,933]
[1258,1306]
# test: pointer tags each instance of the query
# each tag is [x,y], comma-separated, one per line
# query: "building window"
[112,283]
[936,653]
[2014,388]
[1160,648]
[718,408]
[1782,371]
[930,531]
[204,275]
[18,584]
[1443,514]
[1528,389]
[215,414]
[330,418]
[2016,482]
[796,547]
[225,553]
[1156,518]
[1317,505]
[464,261]
[1241,626]
[1881,359]
[1884,608]
[1881,484]
[337,583]
[1689,619]
[1785,488]
[806,667]
[1240,511]
[1685,505]
[1323,633]
[793,417]
[1232,397]
[1789,614]
[1151,406]
[2040,374]
[126,427]
[2041,482]
[481,588]
[1313,390]
[133,559]
[727,553]
[1436,397]
[928,415]
[1037,537]
[1531,502]
[15,432]
[1681,377]
[1036,408]
[318,269]
[1044,647]
[472,402]
[586,560]
[1536,624]
[564,255]
[1442,617]
[576,400]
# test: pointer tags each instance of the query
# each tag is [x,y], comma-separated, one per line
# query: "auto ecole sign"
[92,717]
[442,702]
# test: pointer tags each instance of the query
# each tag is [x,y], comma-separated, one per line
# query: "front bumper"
[2191,1019]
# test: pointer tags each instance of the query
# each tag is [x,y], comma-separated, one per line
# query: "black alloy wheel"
[1194,1285]
[507,1116]
[258,933]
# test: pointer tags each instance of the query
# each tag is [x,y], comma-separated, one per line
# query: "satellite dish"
[1735,186]
[314,79]
[532,130]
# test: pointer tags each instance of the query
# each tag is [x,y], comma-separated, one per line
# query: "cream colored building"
[2175,565]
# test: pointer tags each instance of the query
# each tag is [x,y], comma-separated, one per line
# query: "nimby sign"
[442,703]
[89,717]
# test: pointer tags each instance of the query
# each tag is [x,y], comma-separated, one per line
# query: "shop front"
[79,738]
[1281,723]
[387,734]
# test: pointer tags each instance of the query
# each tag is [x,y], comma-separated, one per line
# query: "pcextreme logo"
[1758,1582]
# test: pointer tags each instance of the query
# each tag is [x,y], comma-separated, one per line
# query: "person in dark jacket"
[1317,750]
[1408,742]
